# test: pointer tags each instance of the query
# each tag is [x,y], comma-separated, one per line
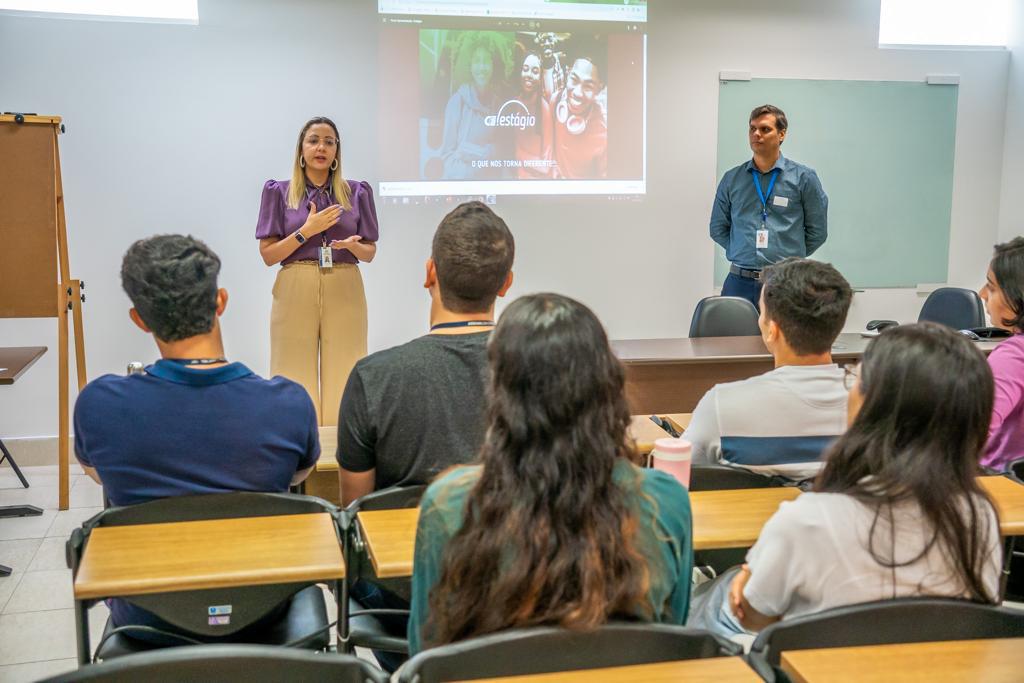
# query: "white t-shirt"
[778,423]
[813,555]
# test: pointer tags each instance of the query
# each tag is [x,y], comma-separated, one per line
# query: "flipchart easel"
[35,279]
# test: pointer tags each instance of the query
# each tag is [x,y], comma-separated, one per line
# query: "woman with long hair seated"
[897,510]
[556,525]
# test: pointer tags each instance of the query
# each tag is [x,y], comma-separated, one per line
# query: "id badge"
[326,258]
[762,239]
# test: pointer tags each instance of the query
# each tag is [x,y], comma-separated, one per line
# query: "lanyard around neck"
[462,323]
[763,196]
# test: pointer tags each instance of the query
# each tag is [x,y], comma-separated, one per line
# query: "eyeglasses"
[852,374]
[314,140]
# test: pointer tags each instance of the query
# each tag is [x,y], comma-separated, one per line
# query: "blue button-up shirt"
[797,214]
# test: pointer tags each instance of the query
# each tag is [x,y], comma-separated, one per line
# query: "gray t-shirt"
[414,410]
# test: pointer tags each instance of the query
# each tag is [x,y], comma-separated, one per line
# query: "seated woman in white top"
[896,511]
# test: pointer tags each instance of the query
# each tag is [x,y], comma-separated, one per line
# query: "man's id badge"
[762,239]
[327,260]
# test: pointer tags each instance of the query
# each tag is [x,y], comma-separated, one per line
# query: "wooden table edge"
[14,378]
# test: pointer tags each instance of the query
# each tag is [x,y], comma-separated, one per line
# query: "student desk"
[719,669]
[121,561]
[642,430]
[721,519]
[997,660]
[671,375]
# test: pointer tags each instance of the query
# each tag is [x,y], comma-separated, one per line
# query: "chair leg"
[7,456]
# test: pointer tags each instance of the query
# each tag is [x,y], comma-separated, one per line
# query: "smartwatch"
[299,237]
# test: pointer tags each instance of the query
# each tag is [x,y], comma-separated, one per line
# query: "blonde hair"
[339,186]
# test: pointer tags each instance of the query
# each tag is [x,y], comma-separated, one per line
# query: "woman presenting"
[318,226]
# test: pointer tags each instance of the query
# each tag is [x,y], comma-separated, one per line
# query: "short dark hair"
[809,301]
[780,116]
[473,252]
[1008,269]
[172,283]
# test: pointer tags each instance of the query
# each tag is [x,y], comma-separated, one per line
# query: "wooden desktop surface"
[671,375]
[249,551]
[642,429]
[999,660]
[719,669]
[721,519]
[15,360]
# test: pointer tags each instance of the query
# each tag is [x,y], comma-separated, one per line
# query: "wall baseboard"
[33,451]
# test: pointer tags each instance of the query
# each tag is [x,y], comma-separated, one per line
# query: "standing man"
[766,209]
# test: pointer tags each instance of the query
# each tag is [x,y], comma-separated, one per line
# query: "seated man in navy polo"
[193,422]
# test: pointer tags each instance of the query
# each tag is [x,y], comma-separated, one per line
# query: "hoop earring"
[335,165]
[302,162]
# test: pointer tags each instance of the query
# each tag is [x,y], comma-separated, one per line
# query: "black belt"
[743,272]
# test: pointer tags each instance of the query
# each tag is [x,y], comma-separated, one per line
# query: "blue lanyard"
[763,196]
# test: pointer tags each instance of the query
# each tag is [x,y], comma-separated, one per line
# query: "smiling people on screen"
[533,142]
[318,226]
[580,122]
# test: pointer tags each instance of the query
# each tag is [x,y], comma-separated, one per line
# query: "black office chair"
[549,650]
[961,309]
[724,316]
[378,629]
[303,614]
[707,477]
[227,664]
[907,620]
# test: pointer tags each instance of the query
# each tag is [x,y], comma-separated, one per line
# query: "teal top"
[665,539]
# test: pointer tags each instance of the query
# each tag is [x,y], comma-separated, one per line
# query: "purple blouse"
[277,220]
[1006,431]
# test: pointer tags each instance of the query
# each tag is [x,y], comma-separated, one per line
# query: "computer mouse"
[970,335]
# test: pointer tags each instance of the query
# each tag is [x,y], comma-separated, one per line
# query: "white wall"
[174,129]
[1011,213]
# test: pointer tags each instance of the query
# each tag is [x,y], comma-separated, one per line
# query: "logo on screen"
[514,119]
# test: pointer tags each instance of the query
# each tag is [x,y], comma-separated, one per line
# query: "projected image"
[501,105]
[523,97]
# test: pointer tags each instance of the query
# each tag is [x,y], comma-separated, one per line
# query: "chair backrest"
[188,610]
[393,498]
[705,477]
[549,650]
[228,664]
[724,316]
[954,307]
[907,620]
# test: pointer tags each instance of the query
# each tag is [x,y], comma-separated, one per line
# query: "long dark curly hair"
[548,537]
[918,437]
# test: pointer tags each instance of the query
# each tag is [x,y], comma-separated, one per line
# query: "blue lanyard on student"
[462,323]
[763,196]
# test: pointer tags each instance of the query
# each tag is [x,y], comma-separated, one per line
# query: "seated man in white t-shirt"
[780,423]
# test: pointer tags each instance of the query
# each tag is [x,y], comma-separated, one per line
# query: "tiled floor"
[37,627]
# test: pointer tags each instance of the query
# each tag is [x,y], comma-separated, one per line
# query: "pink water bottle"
[673,456]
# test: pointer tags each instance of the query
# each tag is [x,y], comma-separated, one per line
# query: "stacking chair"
[724,316]
[359,625]
[303,621]
[227,664]
[907,620]
[961,309]
[550,650]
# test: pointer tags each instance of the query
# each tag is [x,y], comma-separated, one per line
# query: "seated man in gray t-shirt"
[780,423]
[411,411]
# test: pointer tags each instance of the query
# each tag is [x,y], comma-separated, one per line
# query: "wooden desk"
[992,661]
[328,461]
[671,375]
[146,559]
[721,519]
[15,360]
[719,669]
[1009,498]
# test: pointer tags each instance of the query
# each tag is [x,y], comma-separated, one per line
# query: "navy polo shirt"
[178,430]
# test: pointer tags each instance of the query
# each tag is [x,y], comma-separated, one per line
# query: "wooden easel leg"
[77,299]
[64,494]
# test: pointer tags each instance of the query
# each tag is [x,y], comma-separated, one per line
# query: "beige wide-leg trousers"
[318,330]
